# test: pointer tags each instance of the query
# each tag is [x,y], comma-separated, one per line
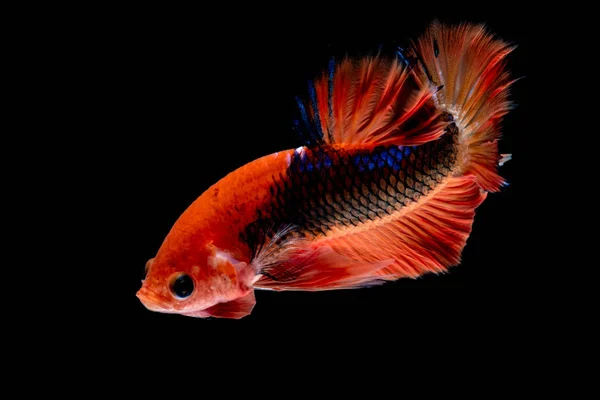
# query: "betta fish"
[400,152]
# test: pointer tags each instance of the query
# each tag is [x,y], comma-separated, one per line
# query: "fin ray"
[364,103]
[235,309]
[317,269]
[428,237]
[471,64]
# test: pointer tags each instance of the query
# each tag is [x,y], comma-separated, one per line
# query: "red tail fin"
[470,65]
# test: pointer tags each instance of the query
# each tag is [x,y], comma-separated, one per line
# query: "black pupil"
[183,286]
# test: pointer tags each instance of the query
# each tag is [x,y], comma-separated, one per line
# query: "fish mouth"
[152,301]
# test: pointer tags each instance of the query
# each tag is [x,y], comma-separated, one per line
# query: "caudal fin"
[469,64]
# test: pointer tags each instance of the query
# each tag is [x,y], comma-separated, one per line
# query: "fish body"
[401,154]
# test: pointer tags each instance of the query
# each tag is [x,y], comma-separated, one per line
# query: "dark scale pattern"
[327,187]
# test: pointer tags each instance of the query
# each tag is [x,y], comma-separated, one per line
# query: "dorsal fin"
[372,101]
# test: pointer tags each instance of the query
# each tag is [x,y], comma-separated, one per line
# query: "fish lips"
[153,301]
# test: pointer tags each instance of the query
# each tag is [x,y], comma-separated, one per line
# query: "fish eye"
[181,286]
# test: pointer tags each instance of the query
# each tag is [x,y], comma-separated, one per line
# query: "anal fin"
[426,237]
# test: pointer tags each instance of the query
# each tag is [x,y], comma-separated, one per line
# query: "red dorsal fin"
[373,101]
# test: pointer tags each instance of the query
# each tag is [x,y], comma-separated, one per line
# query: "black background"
[196,102]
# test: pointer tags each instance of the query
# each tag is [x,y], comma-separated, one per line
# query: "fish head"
[197,285]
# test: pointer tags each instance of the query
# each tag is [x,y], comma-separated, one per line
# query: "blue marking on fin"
[327,162]
[400,53]
[302,111]
[380,163]
[313,138]
[330,95]
[371,166]
[302,133]
[393,151]
[309,167]
[407,151]
[331,74]
[313,99]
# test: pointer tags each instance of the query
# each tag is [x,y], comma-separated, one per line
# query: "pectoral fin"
[235,309]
